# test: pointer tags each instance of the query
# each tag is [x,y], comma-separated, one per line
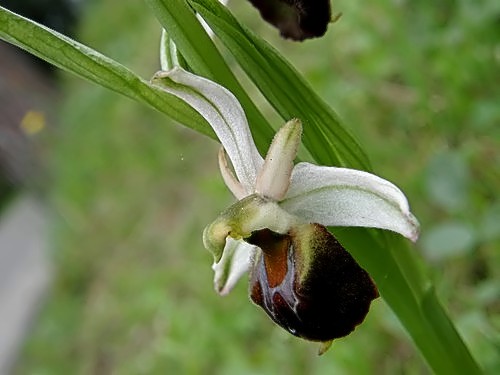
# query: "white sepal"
[348,197]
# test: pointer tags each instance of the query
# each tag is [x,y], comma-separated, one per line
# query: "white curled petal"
[223,112]
[347,197]
[235,262]
[227,175]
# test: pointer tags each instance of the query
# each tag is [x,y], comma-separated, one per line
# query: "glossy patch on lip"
[296,19]
[323,294]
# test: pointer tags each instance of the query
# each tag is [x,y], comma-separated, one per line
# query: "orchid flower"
[299,273]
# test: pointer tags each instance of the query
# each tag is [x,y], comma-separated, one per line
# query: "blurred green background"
[416,82]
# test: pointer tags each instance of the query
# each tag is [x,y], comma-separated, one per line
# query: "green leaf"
[89,64]
[418,309]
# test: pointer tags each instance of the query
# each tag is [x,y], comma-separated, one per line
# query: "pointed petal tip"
[222,290]
[163,73]
[229,178]
[291,133]
[295,123]
[414,232]
[219,287]
[324,346]
[234,262]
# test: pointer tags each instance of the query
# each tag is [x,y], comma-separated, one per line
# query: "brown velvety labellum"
[322,294]
[296,19]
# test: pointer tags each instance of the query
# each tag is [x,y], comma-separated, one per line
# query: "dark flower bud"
[308,283]
[296,19]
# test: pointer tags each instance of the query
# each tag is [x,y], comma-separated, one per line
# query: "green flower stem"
[89,64]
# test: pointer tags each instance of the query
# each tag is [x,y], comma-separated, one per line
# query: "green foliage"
[133,292]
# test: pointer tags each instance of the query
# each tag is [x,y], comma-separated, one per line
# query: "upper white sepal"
[225,115]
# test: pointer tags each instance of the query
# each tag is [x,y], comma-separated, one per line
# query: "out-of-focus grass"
[416,83]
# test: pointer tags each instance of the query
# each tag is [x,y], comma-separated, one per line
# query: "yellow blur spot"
[33,122]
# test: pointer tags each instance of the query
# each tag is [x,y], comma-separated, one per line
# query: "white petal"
[235,261]
[224,114]
[347,197]
[274,177]
[227,175]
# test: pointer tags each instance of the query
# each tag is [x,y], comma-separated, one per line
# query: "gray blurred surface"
[24,273]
